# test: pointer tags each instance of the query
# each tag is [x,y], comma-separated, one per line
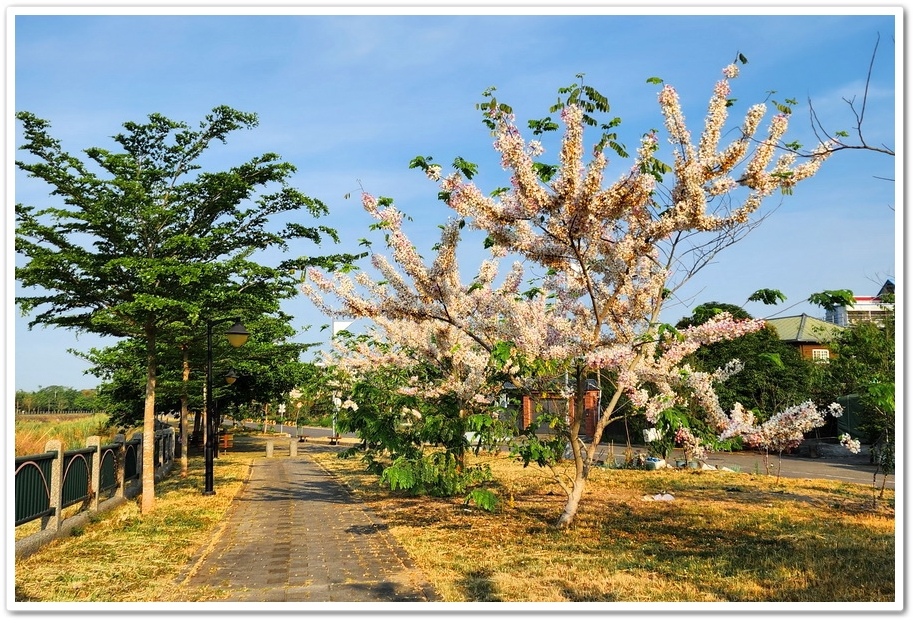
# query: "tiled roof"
[804,329]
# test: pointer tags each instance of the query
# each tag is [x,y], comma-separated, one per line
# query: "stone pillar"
[52,522]
[95,479]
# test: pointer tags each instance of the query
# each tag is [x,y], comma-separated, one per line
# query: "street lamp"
[237,335]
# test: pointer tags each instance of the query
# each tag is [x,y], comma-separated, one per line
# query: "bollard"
[270,448]
[292,447]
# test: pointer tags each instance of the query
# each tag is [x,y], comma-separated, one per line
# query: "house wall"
[549,402]
[807,350]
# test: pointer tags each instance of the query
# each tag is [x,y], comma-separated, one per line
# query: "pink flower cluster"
[785,430]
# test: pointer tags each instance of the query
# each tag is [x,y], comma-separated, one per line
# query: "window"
[820,354]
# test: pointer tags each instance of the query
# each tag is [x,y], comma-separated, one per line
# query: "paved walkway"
[296,534]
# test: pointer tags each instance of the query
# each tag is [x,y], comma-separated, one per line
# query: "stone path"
[296,534]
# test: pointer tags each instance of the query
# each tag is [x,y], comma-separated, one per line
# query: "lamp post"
[337,403]
[237,335]
[336,326]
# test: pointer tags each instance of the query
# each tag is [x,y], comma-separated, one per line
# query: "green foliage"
[435,473]
[586,97]
[398,432]
[882,395]
[774,377]
[767,296]
[545,172]
[467,169]
[484,499]
[145,245]
[863,363]
[667,425]
[709,310]
[540,126]
[420,162]
[492,108]
[543,452]
[829,299]
[489,432]
[58,399]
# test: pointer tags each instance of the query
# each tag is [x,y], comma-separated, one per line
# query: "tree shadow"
[478,586]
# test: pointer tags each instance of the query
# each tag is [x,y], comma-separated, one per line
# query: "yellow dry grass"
[725,537]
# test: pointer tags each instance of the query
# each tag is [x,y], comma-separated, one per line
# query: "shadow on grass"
[478,586]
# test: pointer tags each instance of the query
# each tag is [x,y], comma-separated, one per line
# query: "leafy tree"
[143,239]
[310,401]
[434,379]
[774,376]
[864,364]
[270,366]
[606,260]
[398,429]
[828,299]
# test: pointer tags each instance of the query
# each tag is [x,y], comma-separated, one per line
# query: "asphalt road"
[845,467]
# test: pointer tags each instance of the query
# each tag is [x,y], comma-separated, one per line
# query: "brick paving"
[294,534]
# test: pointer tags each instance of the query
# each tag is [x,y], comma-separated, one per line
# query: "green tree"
[57,398]
[413,444]
[145,239]
[774,376]
[310,401]
[863,363]
[269,368]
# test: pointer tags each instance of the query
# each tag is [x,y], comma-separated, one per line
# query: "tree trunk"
[573,498]
[461,449]
[148,496]
[183,427]
[574,494]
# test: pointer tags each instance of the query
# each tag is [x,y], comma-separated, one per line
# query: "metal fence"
[95,477]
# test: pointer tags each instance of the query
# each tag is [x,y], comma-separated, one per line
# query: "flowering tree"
[445,383]
[606,258]
[784,431]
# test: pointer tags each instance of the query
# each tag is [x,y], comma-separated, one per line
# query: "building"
[810,335]
[866,308]
[534,406]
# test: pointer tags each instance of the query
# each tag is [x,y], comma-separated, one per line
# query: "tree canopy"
[142,243]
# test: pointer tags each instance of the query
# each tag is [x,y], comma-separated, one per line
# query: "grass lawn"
[729,537]
[725,537]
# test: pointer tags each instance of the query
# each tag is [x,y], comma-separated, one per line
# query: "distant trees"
[57,399]
[864,364]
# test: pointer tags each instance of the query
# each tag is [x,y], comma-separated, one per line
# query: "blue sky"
[350,99]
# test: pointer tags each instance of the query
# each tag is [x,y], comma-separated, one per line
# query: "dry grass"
[725,537]
[33,432]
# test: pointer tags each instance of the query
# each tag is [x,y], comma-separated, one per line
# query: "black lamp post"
[237,335]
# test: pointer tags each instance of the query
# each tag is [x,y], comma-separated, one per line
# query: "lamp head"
[237,334]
